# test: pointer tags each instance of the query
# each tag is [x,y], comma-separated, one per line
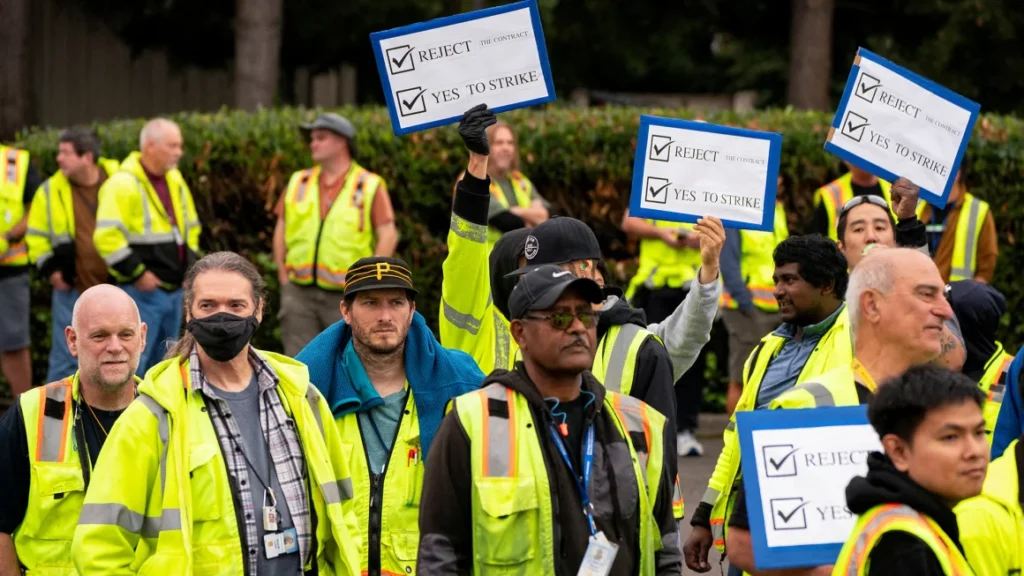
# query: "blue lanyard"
[582,484]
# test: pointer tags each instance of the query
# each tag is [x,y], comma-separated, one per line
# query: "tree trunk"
[810,58]
[258,26]
[15,71]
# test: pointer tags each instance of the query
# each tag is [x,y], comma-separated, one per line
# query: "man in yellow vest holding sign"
[51,438]
[329,216]
[830,198]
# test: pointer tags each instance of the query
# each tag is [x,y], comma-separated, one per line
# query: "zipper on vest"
[377,496]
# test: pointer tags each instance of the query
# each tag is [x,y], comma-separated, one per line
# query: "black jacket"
[446,520]
[899,553]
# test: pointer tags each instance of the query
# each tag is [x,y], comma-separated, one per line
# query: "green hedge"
[580,159]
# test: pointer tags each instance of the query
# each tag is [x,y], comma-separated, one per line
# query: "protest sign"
[892,123]
[796,466]
[685,170]
[434,71]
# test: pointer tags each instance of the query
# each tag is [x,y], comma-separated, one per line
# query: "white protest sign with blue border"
[434,71]
[684,170]
[892,123]
[796,466]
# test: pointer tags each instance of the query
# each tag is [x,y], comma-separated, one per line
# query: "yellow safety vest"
[512,508]
[51,218]
[968,235]
[132,221]
[837,193]
[161,502]
[834,350]
[993,385]
[757,263]
[13,177]
[523,189]
[854,559]
[992,524]
[837,387]
[320,251]
[661,265]
[399,533]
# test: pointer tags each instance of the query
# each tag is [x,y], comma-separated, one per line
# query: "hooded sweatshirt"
[446,517]
[900,553]
[978,307]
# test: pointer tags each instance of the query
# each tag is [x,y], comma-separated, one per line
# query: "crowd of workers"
[540,430]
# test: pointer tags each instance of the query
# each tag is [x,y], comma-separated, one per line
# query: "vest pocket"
[207,480]
[59,489]
[405,544]
[506,533]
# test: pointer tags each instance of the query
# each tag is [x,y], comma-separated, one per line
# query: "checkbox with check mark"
[661,148]
[411,101]
[788,513]
[400,59]
[854,125]
[656,190]
[867,87]
[779,460]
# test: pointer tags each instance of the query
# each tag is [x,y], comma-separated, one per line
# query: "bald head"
[103,299]
[107,336]
[160,144]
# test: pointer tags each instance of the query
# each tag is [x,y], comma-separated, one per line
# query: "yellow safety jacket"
[992,524]
[837,193]
[523,189]
[320,251]
[396,505]
[854,559]
[13,177]
[661,265]
[837,387]
[757,263]
[834,350]
[133,231]
[512,508]
[968,235]
[162,504]
[993,385]
[51,222]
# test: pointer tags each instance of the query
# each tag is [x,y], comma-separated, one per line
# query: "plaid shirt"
[285,451]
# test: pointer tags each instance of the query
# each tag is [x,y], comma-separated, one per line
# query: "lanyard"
[866,379]
[582,483]
[268,483]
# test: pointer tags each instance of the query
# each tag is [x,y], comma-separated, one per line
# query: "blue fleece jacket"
[1010,423]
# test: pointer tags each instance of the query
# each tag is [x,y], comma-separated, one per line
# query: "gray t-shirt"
[385,417]
[244,407]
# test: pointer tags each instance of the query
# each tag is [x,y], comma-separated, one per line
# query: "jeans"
[161,311]
[62,363]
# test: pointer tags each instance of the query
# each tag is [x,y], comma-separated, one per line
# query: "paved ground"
[694,474]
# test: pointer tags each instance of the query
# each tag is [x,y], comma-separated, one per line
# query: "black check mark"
[782,461]
[850,128]
[654,192]
[663,146]
[409,103]
[787,517]
[398,63]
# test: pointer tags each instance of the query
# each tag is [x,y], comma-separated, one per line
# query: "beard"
[364,339]
[105,384]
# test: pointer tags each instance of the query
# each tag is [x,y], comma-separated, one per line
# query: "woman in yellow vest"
[223,465]
[933,433]
[992,525]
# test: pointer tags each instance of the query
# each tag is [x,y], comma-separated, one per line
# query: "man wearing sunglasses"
[829,198]
[543,469]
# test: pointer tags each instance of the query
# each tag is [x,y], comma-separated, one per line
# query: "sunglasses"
[562,320]
[866,199]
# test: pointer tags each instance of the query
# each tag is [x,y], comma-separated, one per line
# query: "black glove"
[473,128]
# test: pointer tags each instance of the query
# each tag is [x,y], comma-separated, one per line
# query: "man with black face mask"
[222,465]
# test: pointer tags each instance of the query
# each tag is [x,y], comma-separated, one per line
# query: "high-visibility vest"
[51,218]
[837,193]
[992,524]
[993,385]
[854,559]
[662,266]
[833,350]
[57,488]
[161,502]
[523,189]
[13,177]
[133,230]
[398,535]
[837,387]
[968,235]
[757,263]
[320,251]
[512,509]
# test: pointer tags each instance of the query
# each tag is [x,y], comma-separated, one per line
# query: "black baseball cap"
[559,240]
[379,273]
[542,286]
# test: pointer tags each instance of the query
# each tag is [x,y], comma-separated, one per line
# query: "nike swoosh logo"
[560,274]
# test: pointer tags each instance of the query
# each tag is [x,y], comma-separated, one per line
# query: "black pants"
[658,304]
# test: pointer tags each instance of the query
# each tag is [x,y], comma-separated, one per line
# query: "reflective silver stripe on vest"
[616,363]
[53,428]
[498,433]
[465,229]
[112,224]
[300,194]
[972,229]
[822,396]
[871,527]
[313,397]
[462,321]
[184,213]
[117,255]
[338,491]
[501,341]
[629,407]
[731,425]
[996,393]
[710,496]
[119,515]
[162,426]
[150,238]
[147,218]
[12,165]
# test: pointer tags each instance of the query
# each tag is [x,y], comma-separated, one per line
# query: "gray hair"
[153,131]
[876,272]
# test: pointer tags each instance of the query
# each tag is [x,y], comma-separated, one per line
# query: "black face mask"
[223,335]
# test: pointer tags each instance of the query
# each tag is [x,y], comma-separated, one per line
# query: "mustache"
[579,340]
